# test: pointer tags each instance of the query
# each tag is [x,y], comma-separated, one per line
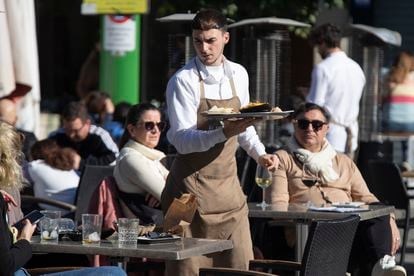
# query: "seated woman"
[51,172]
[139,174]
[15,248]
[330,177]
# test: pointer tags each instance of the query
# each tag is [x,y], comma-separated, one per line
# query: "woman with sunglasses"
[139,174]
[312,172]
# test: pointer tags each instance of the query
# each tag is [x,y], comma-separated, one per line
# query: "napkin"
[180,212]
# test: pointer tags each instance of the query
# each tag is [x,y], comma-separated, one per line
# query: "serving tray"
[262,115]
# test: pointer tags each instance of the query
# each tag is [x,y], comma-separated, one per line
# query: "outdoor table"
[301,216]
[177,250]
[408,176]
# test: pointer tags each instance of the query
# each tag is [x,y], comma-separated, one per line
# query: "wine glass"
[263,179]
[309,179]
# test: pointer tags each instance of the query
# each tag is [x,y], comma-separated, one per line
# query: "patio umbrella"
[19,70]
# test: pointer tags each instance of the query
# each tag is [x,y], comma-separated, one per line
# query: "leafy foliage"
[302,10]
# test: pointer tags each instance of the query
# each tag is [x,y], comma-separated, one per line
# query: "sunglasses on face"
[316,124]
[151,125]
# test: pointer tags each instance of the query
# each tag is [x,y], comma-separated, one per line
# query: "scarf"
[149,153]
[319,163]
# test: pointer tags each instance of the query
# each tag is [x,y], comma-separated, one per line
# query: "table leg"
[301,237]
[120,262]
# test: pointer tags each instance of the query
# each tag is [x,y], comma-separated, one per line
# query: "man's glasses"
[316,124]
[151,125]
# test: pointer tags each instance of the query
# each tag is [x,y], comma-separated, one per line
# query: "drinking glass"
[309,179]
[49,226]
[128,230]
[263,179]
[91,229]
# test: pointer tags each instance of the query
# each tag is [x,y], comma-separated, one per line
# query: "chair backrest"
[215,271]
[386,183]
[328,246]
[90,179]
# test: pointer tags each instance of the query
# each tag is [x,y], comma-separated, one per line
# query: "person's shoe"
[386,267]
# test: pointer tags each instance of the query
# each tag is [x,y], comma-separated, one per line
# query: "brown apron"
[222,210]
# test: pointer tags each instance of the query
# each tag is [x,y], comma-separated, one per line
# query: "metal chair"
[386,183]
[327,249]
[55,203]
[216,271]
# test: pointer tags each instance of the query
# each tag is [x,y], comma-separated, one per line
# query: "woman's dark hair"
[56,157]
[134,115]
[326,33]
[95,103]
[303,108]
[121,112]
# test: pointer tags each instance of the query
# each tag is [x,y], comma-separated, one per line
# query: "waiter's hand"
[232,128]
[269,161]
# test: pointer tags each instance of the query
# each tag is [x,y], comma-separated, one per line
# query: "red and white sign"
[119,33]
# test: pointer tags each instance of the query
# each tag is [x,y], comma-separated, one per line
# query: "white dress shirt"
[183,99]
[337,85]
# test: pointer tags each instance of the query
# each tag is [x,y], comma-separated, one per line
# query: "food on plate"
[276,109]
[256,107]
[220,110]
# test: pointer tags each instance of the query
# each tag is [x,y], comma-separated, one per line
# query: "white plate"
[262,115]
[353,204]
[338,209]
[325,209]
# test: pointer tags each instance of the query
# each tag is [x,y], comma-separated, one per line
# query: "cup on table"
[91,229]
[49,226]
[128,230]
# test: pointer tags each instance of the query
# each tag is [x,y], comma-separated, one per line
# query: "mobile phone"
[34,216]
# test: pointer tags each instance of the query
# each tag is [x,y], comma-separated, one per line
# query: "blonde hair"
[10,157]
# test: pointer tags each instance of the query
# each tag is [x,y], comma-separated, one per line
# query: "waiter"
[206,164]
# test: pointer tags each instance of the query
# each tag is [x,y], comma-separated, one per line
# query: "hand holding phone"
[33,217]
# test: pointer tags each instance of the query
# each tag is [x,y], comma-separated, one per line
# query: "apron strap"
[349,135]
[201,81]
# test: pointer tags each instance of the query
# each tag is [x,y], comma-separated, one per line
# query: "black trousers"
[372,241]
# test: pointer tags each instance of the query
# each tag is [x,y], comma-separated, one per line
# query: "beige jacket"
[288,185]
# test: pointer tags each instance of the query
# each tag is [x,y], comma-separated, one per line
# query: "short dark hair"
[75,110]
[326,33]
[208,19]
[303,108]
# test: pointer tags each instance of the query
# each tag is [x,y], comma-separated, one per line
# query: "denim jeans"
[90,271]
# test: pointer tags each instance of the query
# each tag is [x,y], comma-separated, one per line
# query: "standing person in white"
[337,85]
[206,164]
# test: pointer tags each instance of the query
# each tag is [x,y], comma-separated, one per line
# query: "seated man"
[93,144]
[310,170]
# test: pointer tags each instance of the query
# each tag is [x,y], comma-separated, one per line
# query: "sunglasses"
[151,125]
[316,124]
